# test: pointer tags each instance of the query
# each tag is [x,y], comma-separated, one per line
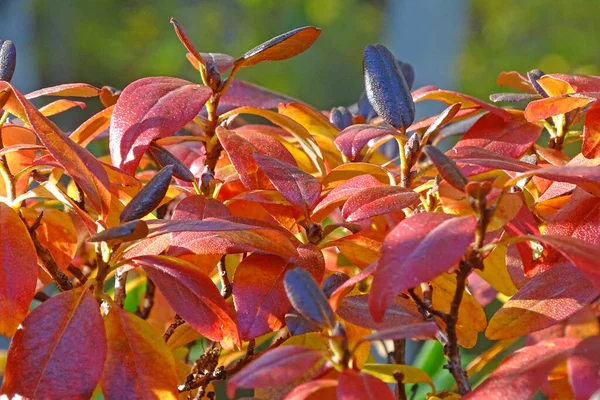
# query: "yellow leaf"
[385,372]
[495,271]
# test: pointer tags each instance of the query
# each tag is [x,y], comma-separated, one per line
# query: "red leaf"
[59,352]
[242,93]
[83,167]
[377,201]
[194,296]
[560,188]
[148,109]
[539,110]
[336,296]
[276,367]
[298,187]
[480,157]
[18,270]
[523,372]
[584,368]
[258,291]
[543,301]
[421,330]
[510,137]
[302,392]
[591,133]
[266,143]
[66,90]
[586,177]
[417,250]
[584,255]
[338,195]
[354,385]
[135,349]
[351,140]
[355,309]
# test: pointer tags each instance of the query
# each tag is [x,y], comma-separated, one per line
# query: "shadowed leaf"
[422,330]
[164,157]
[147,199]
[127,232]
[446,168]
[584,368]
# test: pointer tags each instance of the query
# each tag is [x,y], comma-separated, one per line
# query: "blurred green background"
[458,44]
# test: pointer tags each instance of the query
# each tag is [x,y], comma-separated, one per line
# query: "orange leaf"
[66,90]
[60,350]
[18,270]
[59,106]
[135,350]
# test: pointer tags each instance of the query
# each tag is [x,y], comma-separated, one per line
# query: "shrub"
[273,248]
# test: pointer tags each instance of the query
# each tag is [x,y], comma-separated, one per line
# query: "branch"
[144,312]
[46,258]
[120,288]
[177,321]
[399,358]
[225,283]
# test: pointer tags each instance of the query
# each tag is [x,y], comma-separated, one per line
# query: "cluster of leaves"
[331,247]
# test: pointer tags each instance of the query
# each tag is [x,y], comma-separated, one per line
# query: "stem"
[225,283]
[177,321]
[120,288]
[404,166]
[399,358]
[144,312]
[9,179]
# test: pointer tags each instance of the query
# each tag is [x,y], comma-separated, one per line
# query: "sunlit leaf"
[545,300]
[539,110]
[59,106]
[18,270]
[523,372]
[351,140]
[386,372]
[59,351]
[274,368]
[301,392]
[591,133]
[66,90]
[355,309]
[417,250]
[151,108]
[354,385]
[282,47]
[194,297]
[377,201]
[135,350]
[314,122]
[259,293]
[422,330]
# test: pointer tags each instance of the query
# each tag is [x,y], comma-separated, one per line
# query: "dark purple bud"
[333,282]
[149,197]
[8,60]
[164,157]
[409,73]
[386,87]
[534,76]
[308,298]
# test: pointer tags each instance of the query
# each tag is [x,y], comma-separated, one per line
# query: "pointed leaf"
[377,201]
[387,88]
[341,193]
[258,289]
[194,297]
[417,250]
[510,137]
[298,187]
[584,368]
[129,231]
[282,47]
[81,165]
[147,199]
[66,90]
[480,157]
[60,350]
[276,367]
[446,168]
[354,385]
[351,140]
[523,372]
[591,133]
[422,330]
[135,349]
[386,372]
[355,309]
[242,93]
[545,300]
[307,297]
[18,270]
[59,106]
[148,109]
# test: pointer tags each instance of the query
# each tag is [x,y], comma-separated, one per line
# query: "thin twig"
[144,311]
[46,258]
[41,297]
[177,321]
[225,283]
[399,358]
[77,273]
[120,288]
